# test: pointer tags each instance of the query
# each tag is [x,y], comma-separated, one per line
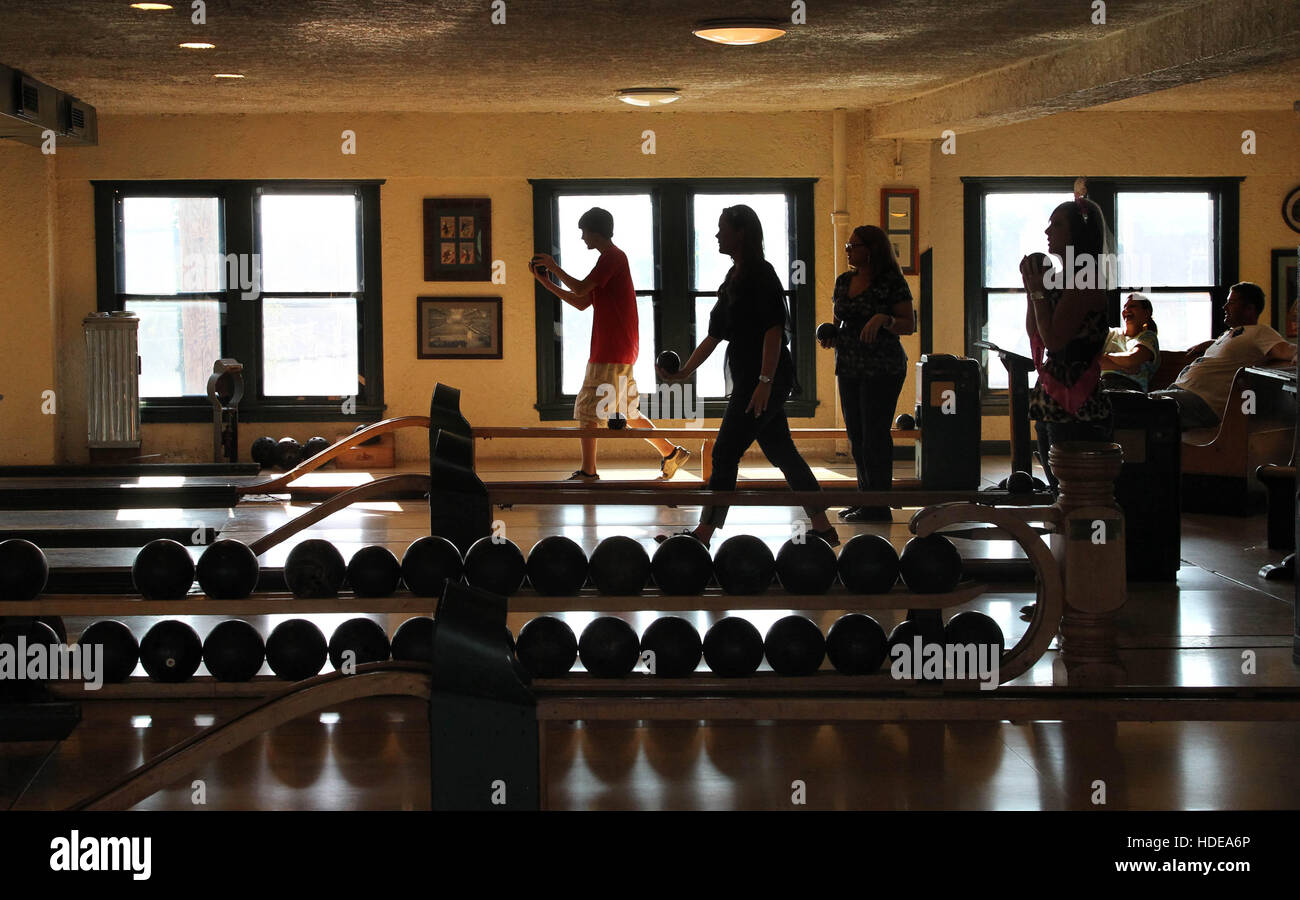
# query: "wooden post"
[1089,547]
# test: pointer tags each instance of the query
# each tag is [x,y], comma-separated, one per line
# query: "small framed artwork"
[457,239]
[458,327]
[898,215]
[1286,291]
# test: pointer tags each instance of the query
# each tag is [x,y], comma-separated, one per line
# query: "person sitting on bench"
[1132,353]
[1201,389]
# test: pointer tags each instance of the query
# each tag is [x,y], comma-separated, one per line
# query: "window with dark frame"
[667,228]
[283,276]
[1175,240]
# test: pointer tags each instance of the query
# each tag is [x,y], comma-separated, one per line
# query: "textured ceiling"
[558,55]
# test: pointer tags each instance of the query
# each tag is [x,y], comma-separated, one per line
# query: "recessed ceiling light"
[151,6]
[227,75]
[197,45]
[649,96]
[740,32]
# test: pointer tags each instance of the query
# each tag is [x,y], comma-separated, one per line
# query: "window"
[1174,240]
[282,276]
[667,229]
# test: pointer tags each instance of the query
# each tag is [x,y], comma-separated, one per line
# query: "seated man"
[1201,389]
[1132,354]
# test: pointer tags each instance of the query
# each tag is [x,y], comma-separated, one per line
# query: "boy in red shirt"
[608,385]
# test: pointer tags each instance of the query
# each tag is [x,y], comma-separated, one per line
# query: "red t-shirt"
[614,337]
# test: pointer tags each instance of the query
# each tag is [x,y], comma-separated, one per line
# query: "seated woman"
[1132,354]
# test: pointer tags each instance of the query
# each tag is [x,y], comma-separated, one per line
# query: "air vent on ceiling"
[78,119]
[29,103]
[32,112]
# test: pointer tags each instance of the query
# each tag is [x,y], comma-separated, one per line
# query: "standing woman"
[872,307]
[750,316]
[1066,322]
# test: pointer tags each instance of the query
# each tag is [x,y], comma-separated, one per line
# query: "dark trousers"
[737,432]
[868,405]
[1052,433]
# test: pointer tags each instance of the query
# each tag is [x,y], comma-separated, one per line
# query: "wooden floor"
[374,754]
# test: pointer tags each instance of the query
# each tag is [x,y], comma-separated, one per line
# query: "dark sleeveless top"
[1068,364]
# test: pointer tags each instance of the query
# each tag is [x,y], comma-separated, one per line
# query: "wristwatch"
[1037,295]
[764,379]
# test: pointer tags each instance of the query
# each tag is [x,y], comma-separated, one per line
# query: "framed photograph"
[458,327]
[1286,291]
[898,219]
[457,239]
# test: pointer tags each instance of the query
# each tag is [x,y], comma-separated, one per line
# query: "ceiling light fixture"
[151,6]
[197,45]
[740,32]
[649,96]
[227,75]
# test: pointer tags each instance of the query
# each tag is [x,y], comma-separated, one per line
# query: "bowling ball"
[171,651]
[733,647]
[163,570]
[23,570]
[413,640]
[868,564]
[905,422]
[619,566]
[429,563]
[1020,483]
[682,566]
[313,446]
[234,651]
[617,422]
[794,646]
[315,568]
[296,650]
[669,361]
[744,565]
[495,567]
[288,453]
[972,627]
[262,451]
[364,638]
[546,647]
[227,570]
[557,566]
[807,566]
[856,644]
[374,572]
[930,629]
[609,647]
[368,441]
[120,649]
[676,647]
[930,565]
[827,332]
[20,636]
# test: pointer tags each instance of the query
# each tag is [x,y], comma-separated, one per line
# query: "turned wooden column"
[1089,547]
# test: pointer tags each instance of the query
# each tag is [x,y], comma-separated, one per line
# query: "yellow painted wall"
[29,413]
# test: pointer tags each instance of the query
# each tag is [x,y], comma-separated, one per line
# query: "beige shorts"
[607,388]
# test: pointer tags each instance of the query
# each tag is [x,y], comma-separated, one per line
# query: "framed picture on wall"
[457,239]
[898,212]
[458,327]
[1285,291]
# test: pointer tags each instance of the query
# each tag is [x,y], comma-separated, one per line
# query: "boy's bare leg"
[636,420]
[588,455]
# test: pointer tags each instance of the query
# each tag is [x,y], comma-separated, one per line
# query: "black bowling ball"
[619,566]
[495,567]
[972,627]
[794,646]
[23,570]
[118,646]
[171,651]
[296,650]
[288,453]
[930,565]
[547,647]
[374,572]
[262,451]
[429,563]
[413,640]
[733,647]
[856,645]
[557,566]
[806,566]
[227,570]
[163,570]
[315,568]
[609,647]
[682,566]
[234,651]
[868,564]
[363,638]
[676,647]
[22,634]
[1020,483]
[827,333]
[669,361]
[313,446]
[616,422]
[929,628]
[905,422]
[744,565]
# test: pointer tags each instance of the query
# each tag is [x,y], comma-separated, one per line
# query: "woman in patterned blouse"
[1066,322]
[872,306]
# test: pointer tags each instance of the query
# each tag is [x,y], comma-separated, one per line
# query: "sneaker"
[847,512]
[583,476]
[674,461]
[868,514]
[830,536]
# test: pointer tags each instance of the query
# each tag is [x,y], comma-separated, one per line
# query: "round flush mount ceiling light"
[227,75]
[649,96]
[151,6]
[740,32]
[197,45]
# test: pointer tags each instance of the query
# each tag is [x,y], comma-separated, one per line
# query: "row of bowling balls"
[285,453]
[670,647]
